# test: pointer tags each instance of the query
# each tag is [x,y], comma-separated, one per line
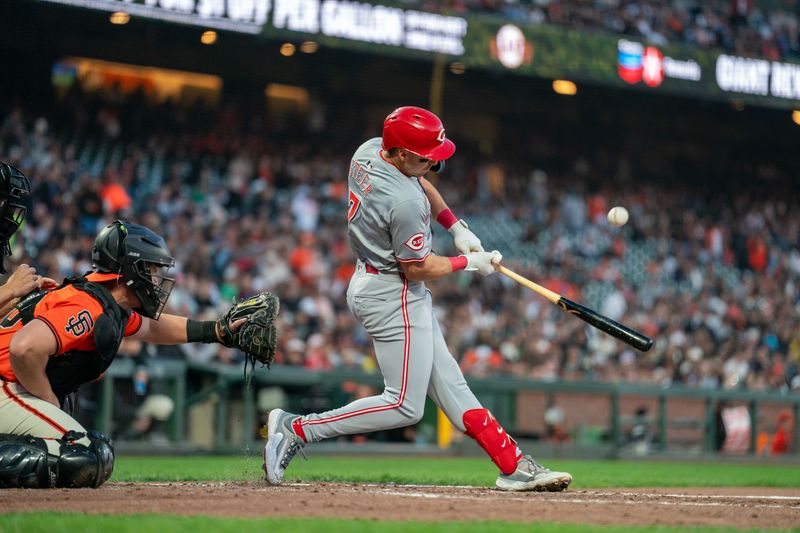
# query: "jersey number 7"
[353,203]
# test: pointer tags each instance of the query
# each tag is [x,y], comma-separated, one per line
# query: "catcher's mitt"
[257,337]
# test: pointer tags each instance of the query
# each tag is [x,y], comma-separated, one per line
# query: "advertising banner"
[487,42]
[555,52]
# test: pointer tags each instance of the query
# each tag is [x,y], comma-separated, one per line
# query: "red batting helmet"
[417,130]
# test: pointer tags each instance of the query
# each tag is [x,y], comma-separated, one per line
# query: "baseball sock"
[298,429]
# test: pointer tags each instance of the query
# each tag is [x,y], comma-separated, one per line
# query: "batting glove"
[484,262]
[464,240]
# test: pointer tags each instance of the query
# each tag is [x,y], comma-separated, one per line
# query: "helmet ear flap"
[121,233]
[108,253]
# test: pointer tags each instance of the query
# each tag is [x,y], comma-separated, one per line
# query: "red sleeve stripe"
[414,260]
[55,333]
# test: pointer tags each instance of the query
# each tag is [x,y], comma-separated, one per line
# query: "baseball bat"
[593,318]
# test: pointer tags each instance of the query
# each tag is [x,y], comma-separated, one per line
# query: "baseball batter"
[389,227]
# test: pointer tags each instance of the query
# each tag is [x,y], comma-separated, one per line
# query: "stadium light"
[208,37]
[309,47]
[457,67]
[565,87]
[287,49]
[796,116]
[119,17]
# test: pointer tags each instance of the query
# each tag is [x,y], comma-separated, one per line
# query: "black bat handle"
[603,323]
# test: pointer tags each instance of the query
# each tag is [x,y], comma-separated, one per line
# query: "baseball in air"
[618,216]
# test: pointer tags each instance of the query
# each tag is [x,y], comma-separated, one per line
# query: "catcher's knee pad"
[483,427]
[23,462]
[84,466]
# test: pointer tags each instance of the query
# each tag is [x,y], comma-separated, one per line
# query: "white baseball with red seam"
[618,216]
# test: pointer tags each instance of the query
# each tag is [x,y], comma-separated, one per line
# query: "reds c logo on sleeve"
[416,242]
[79,324]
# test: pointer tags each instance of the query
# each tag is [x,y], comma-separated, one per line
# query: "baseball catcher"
[53,341]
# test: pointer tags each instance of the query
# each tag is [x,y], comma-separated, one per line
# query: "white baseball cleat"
[282,445]
[530,475]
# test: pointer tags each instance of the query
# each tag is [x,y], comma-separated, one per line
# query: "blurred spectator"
[144,408]
[555,423]
[708,267]
[481,361]
[640,436]
[745,27]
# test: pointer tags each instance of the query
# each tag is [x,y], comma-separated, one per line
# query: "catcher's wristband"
[201,331]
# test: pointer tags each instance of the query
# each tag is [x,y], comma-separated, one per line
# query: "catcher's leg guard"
[483,427]
[84,466]
[23,462]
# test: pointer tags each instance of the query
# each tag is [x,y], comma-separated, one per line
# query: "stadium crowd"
[744,27]
[715,279]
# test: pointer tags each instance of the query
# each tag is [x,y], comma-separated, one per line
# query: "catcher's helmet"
[14,188]
[419,131]
[140,257]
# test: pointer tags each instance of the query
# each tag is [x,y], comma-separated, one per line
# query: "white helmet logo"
[440,137]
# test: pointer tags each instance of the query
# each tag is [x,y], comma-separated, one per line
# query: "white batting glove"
[464,239]
[484,262]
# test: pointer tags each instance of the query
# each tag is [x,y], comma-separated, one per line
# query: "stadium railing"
[685,420]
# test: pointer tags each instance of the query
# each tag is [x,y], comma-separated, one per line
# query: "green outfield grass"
[72,522]
[455,471]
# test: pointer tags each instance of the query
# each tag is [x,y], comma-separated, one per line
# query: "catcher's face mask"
[14,188]
[152,286]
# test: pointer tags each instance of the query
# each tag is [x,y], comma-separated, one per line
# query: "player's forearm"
[433,267]
[5,309]
[439,209]
[7,299]
[172,329]
[168,329]
[437,202]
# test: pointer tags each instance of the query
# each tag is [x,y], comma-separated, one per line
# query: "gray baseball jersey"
[389,215]
[389,222]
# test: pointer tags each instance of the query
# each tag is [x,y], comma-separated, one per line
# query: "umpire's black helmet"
[140,257]
[14,188]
